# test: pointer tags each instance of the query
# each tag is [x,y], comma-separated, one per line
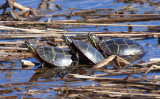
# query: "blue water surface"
[22,76]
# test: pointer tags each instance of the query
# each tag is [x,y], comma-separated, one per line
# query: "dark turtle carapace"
[51,55]
[123,47]
[87,53]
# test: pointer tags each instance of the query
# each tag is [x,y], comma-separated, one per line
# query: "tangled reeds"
[112,78]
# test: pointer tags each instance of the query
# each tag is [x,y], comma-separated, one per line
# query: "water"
[18,76]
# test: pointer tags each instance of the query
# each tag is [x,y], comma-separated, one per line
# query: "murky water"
[18,76]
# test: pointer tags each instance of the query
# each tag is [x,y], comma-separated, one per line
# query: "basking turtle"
[50,55]
[123,47]
[87,53]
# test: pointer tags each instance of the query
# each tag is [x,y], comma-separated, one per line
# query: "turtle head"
[31,46]
[93,39]
[67,40]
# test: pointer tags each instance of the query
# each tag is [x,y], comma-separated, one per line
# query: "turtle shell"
[122,47]
[55,56]
[88,52]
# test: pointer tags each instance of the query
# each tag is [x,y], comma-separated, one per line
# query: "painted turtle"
[123,47]
[50,55]
[87,53]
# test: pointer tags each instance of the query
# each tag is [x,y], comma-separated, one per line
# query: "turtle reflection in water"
[50,55]
[125,48]
[49,73]
[87,54]
[60,73]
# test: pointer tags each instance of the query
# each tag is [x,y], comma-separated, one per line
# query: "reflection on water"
[46,4]
[49,73]
[59,73]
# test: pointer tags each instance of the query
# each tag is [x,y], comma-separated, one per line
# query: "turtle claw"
[74,63]
[76,60]
[105,56]
[43,64]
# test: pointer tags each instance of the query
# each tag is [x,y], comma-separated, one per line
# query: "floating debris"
[112,77]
